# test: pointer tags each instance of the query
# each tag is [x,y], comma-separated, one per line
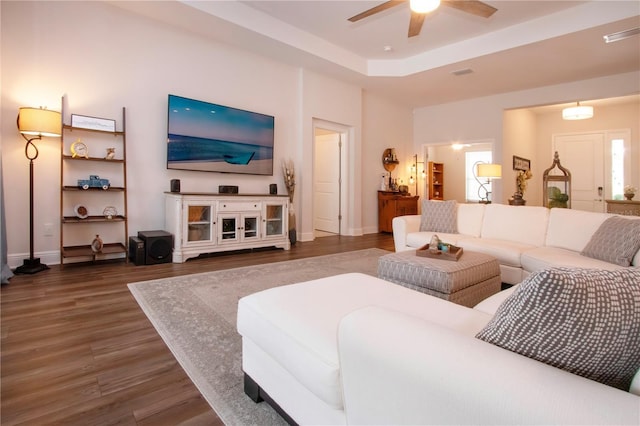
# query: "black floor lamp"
[35,122]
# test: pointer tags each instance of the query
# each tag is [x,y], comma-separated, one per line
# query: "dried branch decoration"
[289,178]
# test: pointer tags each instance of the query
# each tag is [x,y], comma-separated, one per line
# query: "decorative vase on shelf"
[97,244]
[629,195]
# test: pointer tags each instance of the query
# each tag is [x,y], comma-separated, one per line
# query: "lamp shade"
[491,171]
[423,6]
[578,112]
[39,122]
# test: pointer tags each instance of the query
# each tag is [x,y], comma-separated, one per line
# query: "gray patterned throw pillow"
[585,321]
[439,216]
[616,241]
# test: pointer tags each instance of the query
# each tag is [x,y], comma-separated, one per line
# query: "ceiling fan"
[474,7]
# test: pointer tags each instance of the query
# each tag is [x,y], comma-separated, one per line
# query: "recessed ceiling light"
[387,48]
[621,35]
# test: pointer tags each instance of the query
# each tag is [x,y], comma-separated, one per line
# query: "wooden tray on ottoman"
[454,253]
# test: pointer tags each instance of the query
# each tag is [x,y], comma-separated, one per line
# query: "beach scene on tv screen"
[207,137]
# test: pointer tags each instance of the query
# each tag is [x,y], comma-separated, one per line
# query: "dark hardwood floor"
[77,350]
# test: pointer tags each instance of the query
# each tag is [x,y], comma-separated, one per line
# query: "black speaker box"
[227,189]
[175,185]
[158,246]
[273,188]
[136,250]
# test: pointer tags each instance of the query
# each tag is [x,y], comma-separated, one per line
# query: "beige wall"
[484,118]
[519,139]
[104,57]
[454,167]
[385,125]
[613,117]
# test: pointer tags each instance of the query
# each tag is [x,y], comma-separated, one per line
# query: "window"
[473,185]
[617,169]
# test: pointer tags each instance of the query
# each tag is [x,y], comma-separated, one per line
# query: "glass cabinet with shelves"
[199,223]
[273,218]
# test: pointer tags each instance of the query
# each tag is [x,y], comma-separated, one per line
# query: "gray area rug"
[196,317]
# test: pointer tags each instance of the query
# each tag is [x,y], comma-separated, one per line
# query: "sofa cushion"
[439,216]
[541,258]
[307,348]
[571,229]
[470,218]
[585,321]
[491,304]
[521,224]
[616,241]
[507,252]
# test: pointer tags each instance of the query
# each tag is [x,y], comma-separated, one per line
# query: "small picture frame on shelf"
[93,123]
[520,163]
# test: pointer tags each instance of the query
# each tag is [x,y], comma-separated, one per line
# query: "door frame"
[345,133]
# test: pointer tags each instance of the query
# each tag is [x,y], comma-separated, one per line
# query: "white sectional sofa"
[354,349]
[523,238]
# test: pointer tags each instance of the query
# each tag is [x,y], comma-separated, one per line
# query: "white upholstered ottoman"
[289,338]
[467,281]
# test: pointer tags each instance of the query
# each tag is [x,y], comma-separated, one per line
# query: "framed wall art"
[93,123]
[520,163]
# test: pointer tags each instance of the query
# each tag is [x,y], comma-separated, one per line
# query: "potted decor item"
[521,186]
[290,184]
[97,244]
[629,192]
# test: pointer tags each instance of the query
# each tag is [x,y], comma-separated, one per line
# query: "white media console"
[207,222]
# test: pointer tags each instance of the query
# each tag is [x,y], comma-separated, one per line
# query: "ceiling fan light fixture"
[578,112]
[423,6]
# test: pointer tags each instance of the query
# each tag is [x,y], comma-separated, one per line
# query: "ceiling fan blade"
[474,7]
[374,10]
[415,25]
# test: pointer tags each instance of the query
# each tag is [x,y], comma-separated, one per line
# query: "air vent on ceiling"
[462,71]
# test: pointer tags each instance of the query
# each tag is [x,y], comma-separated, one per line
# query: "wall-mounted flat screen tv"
[207,137]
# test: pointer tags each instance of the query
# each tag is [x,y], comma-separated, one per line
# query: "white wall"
[610,117]
[384,126]
[103,58]
[339,103]
[482,118]
[519,138]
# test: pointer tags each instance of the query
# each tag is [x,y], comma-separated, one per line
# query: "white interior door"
[327,183]
[583,155]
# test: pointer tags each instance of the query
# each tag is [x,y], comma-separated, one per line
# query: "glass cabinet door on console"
[273,219]
[237,227]
[200,224]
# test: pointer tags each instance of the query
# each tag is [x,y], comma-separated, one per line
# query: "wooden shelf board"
[84,251]
[77,188]
[104,160]
[71,128]
[92,219]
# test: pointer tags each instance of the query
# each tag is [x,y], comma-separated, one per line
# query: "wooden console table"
[623,207]
[392,204]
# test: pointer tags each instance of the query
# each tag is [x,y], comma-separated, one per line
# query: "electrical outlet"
[48,230]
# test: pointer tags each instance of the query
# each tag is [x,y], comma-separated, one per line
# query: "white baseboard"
[46,257]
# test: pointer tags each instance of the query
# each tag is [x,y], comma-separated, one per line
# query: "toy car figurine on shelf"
[94,182]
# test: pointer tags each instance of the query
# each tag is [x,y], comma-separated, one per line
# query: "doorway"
[329,145]
[595,169]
